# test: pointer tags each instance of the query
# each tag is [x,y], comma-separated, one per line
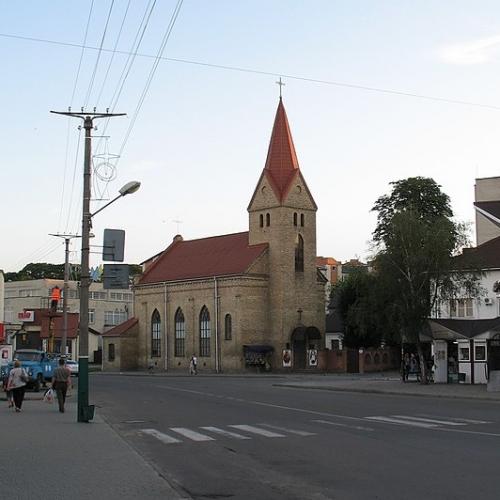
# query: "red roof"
[121,328]
[281,164]
[225,255]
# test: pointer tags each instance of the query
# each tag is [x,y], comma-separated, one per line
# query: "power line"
[152,72]
[92,78]
[267,73]
[113,54]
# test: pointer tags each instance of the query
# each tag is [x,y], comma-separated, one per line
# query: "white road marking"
[455,419]
[222,432]
[338,424]
[164,438]
[193,435]
[390,420]
[256,430]
[291,431]
[429,420]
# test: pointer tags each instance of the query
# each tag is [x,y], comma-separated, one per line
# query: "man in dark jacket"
[61,381]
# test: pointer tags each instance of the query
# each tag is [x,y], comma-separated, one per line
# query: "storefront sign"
[26,316]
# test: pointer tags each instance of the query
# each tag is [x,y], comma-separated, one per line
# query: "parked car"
[73,367]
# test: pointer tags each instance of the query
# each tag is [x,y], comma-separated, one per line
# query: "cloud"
[479,51]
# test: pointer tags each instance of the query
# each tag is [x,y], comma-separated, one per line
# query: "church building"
[240,301]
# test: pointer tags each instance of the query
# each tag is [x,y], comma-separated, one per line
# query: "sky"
[198,142]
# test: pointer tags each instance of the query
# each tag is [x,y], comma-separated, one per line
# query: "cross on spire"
[281,84]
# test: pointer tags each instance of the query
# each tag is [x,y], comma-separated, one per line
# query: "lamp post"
[86,412]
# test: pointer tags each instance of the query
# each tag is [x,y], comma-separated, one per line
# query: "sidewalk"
[390,383]
[47,454]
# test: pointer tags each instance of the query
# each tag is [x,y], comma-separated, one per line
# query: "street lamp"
[86,412]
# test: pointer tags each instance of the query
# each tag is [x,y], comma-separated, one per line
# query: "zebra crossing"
[425,421]
[243,432]
[210,433]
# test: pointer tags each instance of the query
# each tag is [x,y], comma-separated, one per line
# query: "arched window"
[155,334]
[295,218]
[204,332]
[180,334]
[299,253]
[302,220]
[261,220]
[228,327]
[268,219]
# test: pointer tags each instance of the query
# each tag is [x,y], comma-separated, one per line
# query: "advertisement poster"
[312,356]
[5,355]
[287,358]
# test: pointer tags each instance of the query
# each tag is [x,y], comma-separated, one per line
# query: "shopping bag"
[49,396]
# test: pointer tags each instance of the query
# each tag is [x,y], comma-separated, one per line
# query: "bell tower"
[282,213]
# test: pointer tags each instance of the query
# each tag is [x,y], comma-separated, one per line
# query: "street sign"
[115,276]
[114,245]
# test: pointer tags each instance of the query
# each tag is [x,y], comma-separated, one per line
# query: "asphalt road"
[247,438]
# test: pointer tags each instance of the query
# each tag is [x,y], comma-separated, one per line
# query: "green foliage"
[135,269]
[420,195]
[361,301]
[35,271]
[418,240]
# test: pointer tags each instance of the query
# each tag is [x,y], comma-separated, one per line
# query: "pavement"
[47,454]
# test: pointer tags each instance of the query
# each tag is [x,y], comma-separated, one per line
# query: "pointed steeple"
[281,164]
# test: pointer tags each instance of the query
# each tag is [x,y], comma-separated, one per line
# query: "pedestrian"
[406,366]
[55,297]
[193,368]
[18,378]
[8,393]
[61,381]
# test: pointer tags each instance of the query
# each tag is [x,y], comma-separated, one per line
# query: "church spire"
[281,164]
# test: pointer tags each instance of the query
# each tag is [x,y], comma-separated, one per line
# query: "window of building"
[228,327]
[27,292]
[461,308]
[463,354]
[111,352]
[155,334]
[180,334]
[480,353]
[98,295]
[205,332]
[115,296]
[128,297]
[91,316]
[302,220]
[73,294]
[295,218]
[115,317]
[299,254]
[261,217]
[268,220]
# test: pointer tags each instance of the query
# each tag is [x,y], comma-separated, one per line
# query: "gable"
[299,195]
[264,196]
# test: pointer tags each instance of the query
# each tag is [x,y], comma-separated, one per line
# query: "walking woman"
[17,384]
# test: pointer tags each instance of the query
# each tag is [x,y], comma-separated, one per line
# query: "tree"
[361,300]
[417,240]
[36,271]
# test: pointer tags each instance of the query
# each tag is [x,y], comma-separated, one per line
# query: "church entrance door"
[302,339]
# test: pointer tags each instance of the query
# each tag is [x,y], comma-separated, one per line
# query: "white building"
[466,332]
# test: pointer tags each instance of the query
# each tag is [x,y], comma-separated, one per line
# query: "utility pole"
[85,412]
[64,336]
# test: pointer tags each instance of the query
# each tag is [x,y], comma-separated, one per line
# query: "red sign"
[2,333]
[26,316]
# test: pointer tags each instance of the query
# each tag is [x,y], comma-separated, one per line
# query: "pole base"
[86,413]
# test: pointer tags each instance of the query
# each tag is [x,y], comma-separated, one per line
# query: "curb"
[390,393]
